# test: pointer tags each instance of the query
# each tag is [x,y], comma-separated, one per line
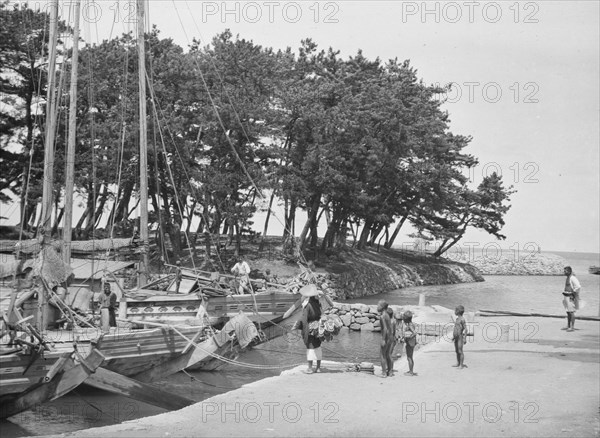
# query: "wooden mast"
[143,268]
[50,121]
[48,182]
[70,170]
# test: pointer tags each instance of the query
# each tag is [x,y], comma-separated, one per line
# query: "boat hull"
[47,378]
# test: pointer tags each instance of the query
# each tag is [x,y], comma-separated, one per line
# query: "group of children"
[406,334]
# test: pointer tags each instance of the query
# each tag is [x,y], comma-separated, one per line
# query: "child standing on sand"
[459,336]
[387,340]
[409,337]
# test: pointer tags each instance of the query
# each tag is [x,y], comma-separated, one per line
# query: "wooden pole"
[50,119]
[48,183]
[70,170]
[143,268]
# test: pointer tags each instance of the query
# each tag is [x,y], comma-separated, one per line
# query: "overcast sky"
[526,75]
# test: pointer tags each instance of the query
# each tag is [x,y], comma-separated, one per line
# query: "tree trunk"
[230,231]
[160,238]
[238,240]
[207,246]
[29,215]
[113,210]
[386,235]
[101,204]
[388,244]
[289,219]
[190,216]
[354,237]
[362,242]
[332,230]
[81,221]
[261,246]
[340,240]
[226,227]
[375,231]
[122,212]
[313,209]
[57,222]
[134,208]
[89,220]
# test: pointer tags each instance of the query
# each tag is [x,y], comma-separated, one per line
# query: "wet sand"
[543,382]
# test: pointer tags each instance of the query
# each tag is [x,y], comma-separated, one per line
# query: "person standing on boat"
[177,276]
[241,270]
[108,303]
[571,297]
[311,315]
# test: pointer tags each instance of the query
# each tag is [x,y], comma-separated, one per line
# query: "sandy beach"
[543,382]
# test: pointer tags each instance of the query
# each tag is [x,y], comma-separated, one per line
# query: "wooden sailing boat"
[217,313]
[32,372]
[147,354]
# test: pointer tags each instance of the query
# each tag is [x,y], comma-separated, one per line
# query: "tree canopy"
[233,126]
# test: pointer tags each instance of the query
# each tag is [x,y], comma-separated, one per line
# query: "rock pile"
[359,317]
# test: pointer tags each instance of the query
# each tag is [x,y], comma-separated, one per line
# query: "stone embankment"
[356,274]
[429,320]
[515,263]
[359,317]
[372,277]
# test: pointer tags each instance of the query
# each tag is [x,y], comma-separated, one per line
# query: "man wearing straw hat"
[311,314]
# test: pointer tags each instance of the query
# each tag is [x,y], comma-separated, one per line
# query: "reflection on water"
[88,407]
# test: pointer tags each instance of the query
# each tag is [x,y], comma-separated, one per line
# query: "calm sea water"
[87,407]
[540,294]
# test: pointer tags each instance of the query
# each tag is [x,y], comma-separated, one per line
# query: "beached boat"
[30,377]
[125,356]
[594,270]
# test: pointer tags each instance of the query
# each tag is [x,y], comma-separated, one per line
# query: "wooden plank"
[119,384]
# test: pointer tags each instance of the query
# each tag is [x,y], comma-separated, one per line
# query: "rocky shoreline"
[356,274]
[516,264]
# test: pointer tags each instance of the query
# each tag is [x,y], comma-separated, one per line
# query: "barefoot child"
[410,340]
[387,340]
[390,312]
[459,336]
